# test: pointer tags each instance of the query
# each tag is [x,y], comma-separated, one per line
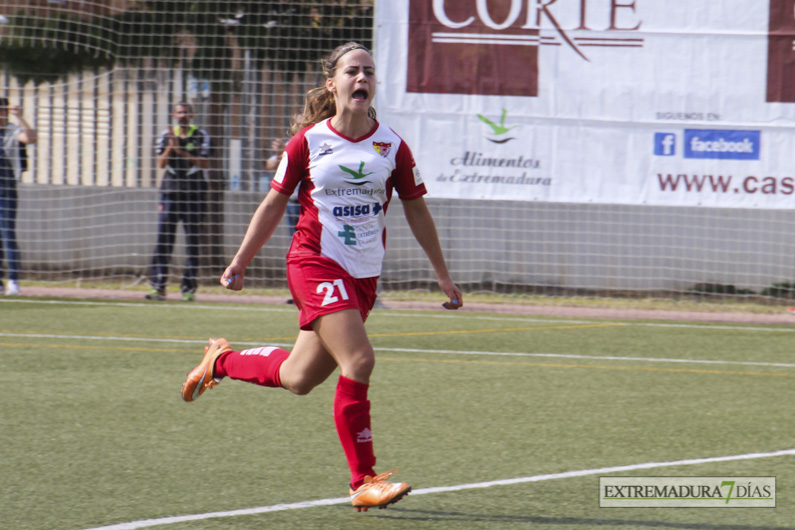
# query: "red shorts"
[321,286]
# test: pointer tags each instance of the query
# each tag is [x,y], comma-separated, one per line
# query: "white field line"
[591,357]
[149,305]
[132,339]
[444,489]
[100,337]
[629,323]
[412,350]
[401,314]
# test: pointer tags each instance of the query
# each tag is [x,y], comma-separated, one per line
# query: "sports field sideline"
[779,316]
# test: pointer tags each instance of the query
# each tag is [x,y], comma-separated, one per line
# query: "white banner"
[606,101]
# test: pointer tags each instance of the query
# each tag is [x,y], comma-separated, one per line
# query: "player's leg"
[255,365]
[306,367]
[344,336]
[339,338]
[335,305]
[299,371]
[309,364]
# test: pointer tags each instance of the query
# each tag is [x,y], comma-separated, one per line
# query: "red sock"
[257,365]
[352,418]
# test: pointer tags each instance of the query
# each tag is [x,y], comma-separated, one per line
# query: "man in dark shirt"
[183,151]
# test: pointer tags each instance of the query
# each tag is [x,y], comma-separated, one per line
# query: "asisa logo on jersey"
[360,210]
[357,175]
[382,148]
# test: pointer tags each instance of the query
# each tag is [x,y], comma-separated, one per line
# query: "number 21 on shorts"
[329,288]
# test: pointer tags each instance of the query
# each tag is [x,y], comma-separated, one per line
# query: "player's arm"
[424,230]
[291,170]
[260,229]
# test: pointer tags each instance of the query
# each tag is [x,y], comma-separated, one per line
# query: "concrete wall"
[97,232]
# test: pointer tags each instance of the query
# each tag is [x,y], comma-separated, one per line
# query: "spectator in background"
[13,138]
[183,151]
[277,146]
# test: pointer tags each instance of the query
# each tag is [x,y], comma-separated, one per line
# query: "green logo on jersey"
[348,234]
[356,174]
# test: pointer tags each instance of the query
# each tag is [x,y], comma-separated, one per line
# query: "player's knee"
[299,386]
[300,389]
[360,365]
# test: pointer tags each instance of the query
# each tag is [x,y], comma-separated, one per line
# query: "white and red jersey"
[345,189]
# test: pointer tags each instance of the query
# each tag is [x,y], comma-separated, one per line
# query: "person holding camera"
[183,151]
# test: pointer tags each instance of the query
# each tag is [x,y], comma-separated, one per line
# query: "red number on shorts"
[328,287]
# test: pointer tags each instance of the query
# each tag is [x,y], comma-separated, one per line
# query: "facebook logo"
[664,144]
[711,143]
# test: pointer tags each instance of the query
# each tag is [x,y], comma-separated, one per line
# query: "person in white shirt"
[346,166]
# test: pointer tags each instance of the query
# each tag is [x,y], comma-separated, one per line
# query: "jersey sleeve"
[406,177]
[293,166]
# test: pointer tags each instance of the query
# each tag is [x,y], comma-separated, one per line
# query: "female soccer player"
[345,165]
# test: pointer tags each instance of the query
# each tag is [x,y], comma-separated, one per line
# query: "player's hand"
[232,278]
[453,293]
[14,110]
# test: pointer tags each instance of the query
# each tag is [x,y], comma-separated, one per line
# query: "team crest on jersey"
[382,148]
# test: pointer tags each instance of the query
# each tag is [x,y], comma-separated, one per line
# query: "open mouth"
[359,95]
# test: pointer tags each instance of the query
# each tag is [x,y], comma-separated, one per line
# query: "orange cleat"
[201,378]
[376,492]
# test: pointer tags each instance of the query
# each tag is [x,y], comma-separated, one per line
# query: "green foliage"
[46,49]
[141,34]
[287,34]
[719,289]
[784,290]
[780,290]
